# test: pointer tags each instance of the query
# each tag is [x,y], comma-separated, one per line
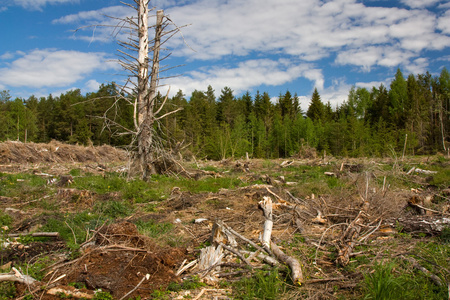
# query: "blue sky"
[248,45]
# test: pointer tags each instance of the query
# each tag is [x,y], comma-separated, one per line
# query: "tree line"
[412,115]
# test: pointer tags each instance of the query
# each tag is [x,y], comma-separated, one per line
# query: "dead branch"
[37,234]
[348,239]
[69,293]
[146,277]
[297,274]
[16,276]
[416,265]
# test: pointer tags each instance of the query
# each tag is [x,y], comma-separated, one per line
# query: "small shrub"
[445,235]
[75,172]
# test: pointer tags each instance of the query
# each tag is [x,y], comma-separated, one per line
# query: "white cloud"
[247,75]
[51,68]
[419,3]
[91,86]
[7,55]
[444,22]
[305,33]
[309,29]
[38,4]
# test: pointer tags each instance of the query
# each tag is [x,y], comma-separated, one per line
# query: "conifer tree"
[316,109]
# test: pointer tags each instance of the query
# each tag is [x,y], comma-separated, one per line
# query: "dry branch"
[348,239]
[16,276]
[297,274]
[69,293]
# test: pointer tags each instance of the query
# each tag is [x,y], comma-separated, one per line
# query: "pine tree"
[316,109]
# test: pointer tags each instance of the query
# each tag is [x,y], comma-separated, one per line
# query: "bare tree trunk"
[147,93]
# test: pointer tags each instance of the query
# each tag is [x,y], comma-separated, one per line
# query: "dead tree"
[140,90]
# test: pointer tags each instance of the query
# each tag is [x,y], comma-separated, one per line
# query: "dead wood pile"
[57,152]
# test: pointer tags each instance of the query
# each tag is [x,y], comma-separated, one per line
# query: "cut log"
[210,257]
[431,225]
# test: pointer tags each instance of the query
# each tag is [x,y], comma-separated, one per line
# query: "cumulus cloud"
[309,29]
[419,3]
[51,68]
[444,22]
[247,75]
[98,25]
[305,33]
[39,4]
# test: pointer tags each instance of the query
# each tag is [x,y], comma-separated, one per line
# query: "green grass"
[190,283]
[383,284]
[5,220]
[153,229]
[398,279]
[22,185]
[7,290]
[268,285]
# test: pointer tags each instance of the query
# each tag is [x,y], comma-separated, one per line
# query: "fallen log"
[431,225]
[36,234]
[297,274]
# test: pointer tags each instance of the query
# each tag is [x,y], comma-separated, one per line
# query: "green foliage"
[266,285]
[73,227]
[445,235]
[75,172]
[77,285]
[35,268]
[441,178]
[101,295]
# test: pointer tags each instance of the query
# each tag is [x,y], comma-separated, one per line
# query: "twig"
[416,265]
[234,251]
[74,237]
[147,276]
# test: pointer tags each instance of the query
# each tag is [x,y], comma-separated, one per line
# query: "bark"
[431,225]
[147,92]
[16,276]
[297,274]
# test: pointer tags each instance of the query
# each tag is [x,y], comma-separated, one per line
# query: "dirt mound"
[56,152]
[117,259]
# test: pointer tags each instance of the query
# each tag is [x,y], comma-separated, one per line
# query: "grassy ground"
[385,266]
